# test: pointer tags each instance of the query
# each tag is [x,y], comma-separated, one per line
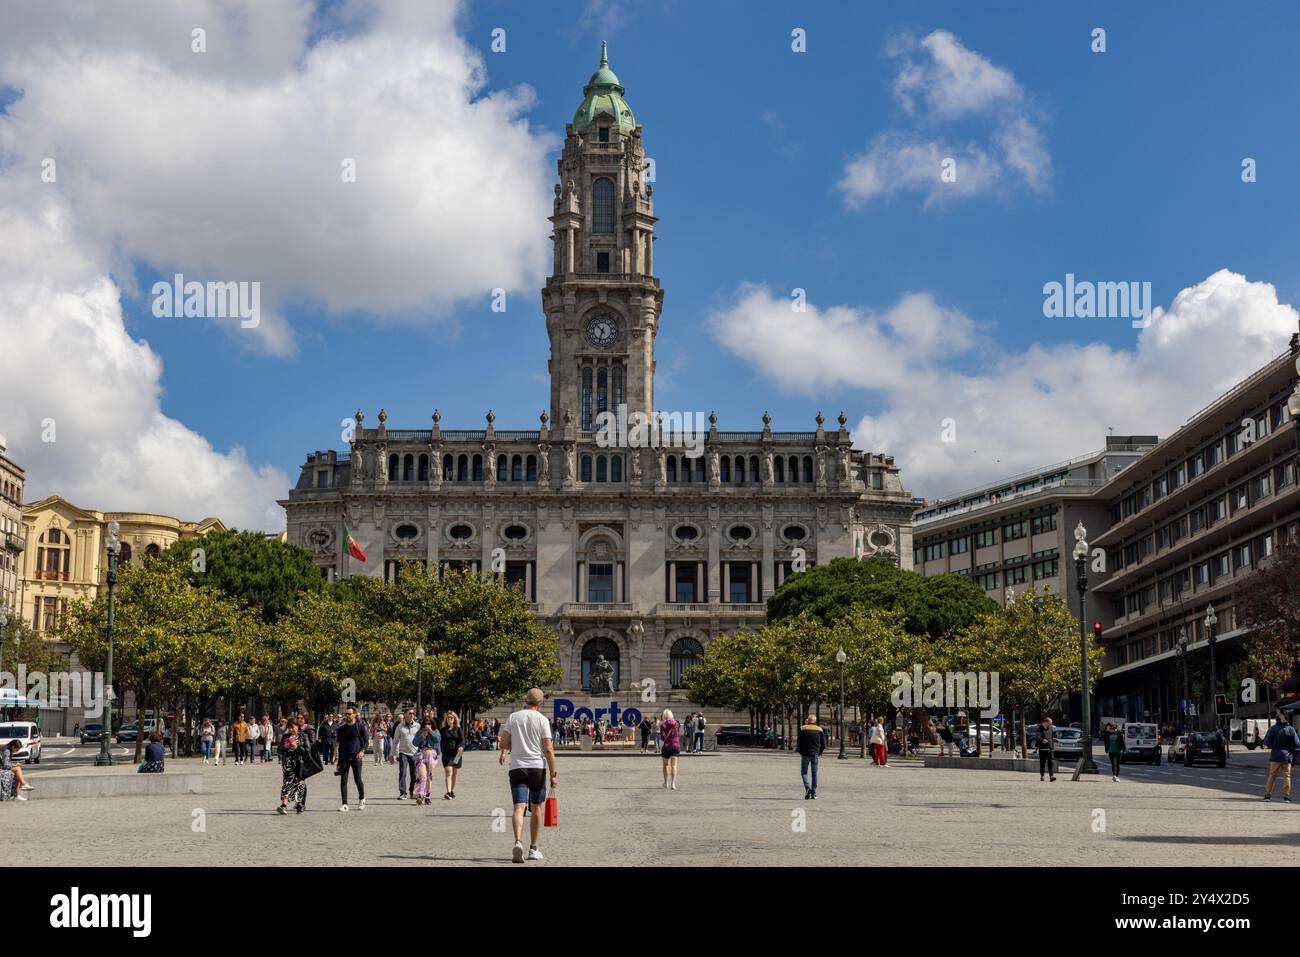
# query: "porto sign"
[564,708]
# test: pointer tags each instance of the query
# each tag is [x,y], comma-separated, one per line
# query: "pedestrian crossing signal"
[1222,705]
[1096,631]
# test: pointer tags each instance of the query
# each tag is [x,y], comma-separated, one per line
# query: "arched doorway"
[590,651]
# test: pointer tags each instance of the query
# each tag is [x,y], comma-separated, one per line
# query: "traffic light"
[1222,705]
[1096,631]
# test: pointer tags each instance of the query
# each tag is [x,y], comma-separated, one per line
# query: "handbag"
[551,816]
[309,763]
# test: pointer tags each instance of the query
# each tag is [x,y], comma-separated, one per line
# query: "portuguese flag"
[354,550]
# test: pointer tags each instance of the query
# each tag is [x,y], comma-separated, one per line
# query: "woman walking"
[378,733]
[877,742]
[671,733]
[453,747]
[265,735]
[219,733]
[1114,748]
[291,785]
[427,743]
[206,734]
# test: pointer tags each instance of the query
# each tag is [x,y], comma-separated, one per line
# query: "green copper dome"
[603,94]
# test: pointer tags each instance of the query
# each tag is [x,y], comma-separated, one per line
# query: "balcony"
[14,542]
[589,608]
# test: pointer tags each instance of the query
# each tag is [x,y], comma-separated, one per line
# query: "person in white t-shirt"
[526,738]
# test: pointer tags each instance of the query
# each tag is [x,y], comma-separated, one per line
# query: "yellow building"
[66,553]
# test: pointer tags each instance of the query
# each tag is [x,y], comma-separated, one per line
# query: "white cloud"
[1021,410]
[941,81]
[226,165]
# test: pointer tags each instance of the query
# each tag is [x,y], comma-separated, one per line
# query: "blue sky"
[1143,147]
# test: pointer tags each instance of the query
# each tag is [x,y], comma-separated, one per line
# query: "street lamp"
[419,682]
[1081,580]
[106,727]
[1181,651]
[1211,620]
[841,657]
[4,617]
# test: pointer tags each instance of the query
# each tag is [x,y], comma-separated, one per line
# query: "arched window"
[616,468]
[531,473]
[448,467]
[586,468]
[699,469]
[602,474]
[424,468]
[672,468]
[778,469]
[586,398]
[753,469]
[478,468]
[794,468]
[516,468]
[602,201]
[54,559]
[124,555]
[503,468]
[807,469]
[740,470]
[408,468]
[392,467]
[462,469]
[602,391]
[686,653]
[685,475]
[725,469]
[617,376]
[590,651]
[152,550]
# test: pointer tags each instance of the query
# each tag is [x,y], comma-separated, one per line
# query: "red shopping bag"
[551,817]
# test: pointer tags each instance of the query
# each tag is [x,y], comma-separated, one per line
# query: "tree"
[935,606]
[1269,604]
[482,642]
[23,645]
[265,574]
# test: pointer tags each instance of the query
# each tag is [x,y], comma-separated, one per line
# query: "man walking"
[352,752]
[325,734]
[812,742]
[239,737]
[700,724]
[1045,742]
[404,748]
[1282,742]
[526,738]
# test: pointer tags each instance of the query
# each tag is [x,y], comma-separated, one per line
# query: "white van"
[1141,742]
[1253,731]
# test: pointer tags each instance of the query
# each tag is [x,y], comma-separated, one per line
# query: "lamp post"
[1181,651]
[106,728]
[841,657]
[1081,581]
[419,682]
[4,617]
[1211,621]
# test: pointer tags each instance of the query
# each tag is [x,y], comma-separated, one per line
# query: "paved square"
[731,808]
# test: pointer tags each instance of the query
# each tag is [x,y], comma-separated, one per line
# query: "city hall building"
[640,543]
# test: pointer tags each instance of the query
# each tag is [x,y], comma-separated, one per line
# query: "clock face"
[602,331]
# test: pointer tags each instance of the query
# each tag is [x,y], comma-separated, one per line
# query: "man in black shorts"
[527,739]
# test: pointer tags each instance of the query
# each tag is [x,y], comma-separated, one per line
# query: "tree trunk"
[142,708]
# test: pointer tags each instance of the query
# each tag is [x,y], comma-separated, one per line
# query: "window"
[671,468]
[602,469]
[424,468]
[794,469]
[795,533]
[600,582]
[987,581]
[461,532]
[1017,576]
[1201,574]
[585,473]
[959,546]
[602,262]
[462,469]
[516,578]
[740,470]
[617,378]
[877,480]
[778,469]
[602,135]
[408,468]
[1239,498]
[753,469]
[616,468]
[1043,523]
[602,222]
[1045,569]
[599,647]
[448,468]
[724,469]
[531,472]
[478,468]
[741,533]
[686,653]
[323,479]
[684,586]
[738,582]
[516,468]
[1013,531]
[406,532]
[586,397]
[807,469]
[503,468]
[392,468]
[515,533]
[602,391]
[686,533]
[987,537]
[933,552]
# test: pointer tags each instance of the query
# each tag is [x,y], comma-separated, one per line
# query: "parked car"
[1206,746]
[25,733]
[128,732]
[1177,748]
[1068,741]
[736,734]
[92,732]
[1141,742]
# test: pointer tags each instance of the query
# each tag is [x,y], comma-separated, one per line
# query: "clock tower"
[602,300]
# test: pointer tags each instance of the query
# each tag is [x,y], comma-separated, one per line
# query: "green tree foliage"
[25,646]
[935,606]
[1269,604]
[265,574]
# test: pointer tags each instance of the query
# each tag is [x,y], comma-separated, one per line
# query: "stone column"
[753,581]
[672,581]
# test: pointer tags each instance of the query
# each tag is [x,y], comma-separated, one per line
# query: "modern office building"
[1185,526]
[1020,531]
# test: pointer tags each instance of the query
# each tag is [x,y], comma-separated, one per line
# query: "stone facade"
[643,541]
[12,480]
